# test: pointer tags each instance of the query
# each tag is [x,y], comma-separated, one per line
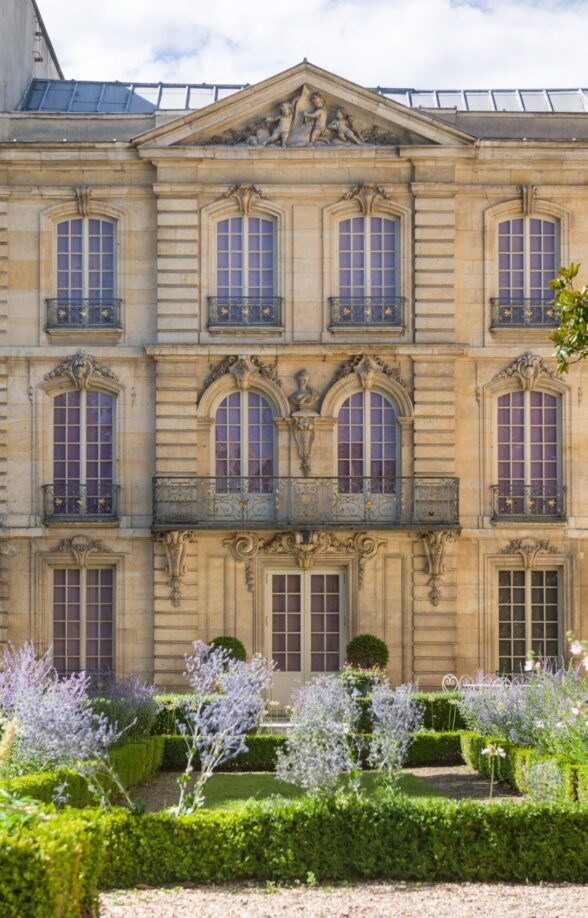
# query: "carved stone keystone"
[435,542]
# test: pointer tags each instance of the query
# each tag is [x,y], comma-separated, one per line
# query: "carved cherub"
[341,125]
[318,117]
[283,125]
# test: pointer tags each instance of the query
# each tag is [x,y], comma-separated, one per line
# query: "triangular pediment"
[305,106]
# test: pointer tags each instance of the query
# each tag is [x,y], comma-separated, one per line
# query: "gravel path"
[397,900]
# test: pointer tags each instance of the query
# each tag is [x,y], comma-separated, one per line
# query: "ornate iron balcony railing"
[245,311]
[75,312]
[95,501]
[534,502]
[516,312]
[216,503]
[361,311]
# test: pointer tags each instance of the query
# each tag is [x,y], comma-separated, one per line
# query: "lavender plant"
[321,747]
[395,716]
[53,722]
[228,702]
[545,782]
[128,704]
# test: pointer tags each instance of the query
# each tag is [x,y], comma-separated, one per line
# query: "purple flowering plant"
[395,716]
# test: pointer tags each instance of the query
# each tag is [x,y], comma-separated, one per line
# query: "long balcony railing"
[65,502]
[537,502]
[516,312]
[75,312]
[245,311]
[367,311]
[216,503]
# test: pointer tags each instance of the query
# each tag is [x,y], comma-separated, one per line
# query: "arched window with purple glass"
[528,258]
[369,277]
[368,453]
[529,456]
[83,457]
[244,454]
[245,273]
[85,275]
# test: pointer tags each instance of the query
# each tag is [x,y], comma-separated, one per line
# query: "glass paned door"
[306,626]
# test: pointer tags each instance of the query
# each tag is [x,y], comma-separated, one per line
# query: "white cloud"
[420,43]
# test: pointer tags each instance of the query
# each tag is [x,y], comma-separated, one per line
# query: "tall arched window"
[83,455]
[86,273]
[368,444]
[529,455]
[245,272]
[244,444]
[528,258]
[369,282]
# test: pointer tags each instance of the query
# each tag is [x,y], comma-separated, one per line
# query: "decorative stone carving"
[435,542]
[303,402]
[84,201]
[527,368]
[306,547]
[366,195]
[528,194]
[242,371]
[80,368]
[245,195]
[80,546]
[528,549]
[307,120]
[368,366]
[176,545]
[247,365]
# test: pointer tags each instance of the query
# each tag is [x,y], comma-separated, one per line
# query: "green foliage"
[571,338]
[439,712]
[374,838]
[367,651]
[232,645]
[135,763]
[582,783]
[435,749]
[171,710]
[51,868]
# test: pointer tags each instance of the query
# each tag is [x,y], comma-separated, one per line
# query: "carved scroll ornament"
[176,545]
[528,549]
[306,547]
[81,368]
[368,367]
[243,370]
[245,196]
[435,542]
[527,368]
[81,547]
[366,196]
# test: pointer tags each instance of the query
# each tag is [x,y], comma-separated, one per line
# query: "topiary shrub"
[232,645]
[367,651]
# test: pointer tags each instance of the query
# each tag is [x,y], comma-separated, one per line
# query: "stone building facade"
[279,368]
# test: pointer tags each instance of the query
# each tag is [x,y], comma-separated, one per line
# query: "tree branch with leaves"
[571,338]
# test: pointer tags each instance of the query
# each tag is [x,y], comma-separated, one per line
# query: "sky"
[424,44]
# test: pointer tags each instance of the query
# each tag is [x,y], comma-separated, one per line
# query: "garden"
[337,796]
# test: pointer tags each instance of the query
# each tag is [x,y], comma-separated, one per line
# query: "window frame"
[367,439]
[85,271]
[83,620]
[526,218]
[368,252]
[244,439]
[528,573]
[245,252]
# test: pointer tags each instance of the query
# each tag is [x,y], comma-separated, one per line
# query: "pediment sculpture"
[306,120]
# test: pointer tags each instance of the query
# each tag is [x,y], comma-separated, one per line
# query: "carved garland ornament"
[80,546]
[80,368]
[176,545]
[243,369]
[368,367]
[527,368]
[435,542]
[305,546]
[528,549]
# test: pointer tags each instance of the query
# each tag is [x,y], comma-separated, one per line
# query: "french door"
[306,626]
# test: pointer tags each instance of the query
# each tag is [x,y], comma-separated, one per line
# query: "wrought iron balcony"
[367,311]
[245,311]
[516,312]
[75,312]
[389,503]
[540,503]
[93,502]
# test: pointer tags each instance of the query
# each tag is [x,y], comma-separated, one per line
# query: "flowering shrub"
[128,704]
[228,702]
[395,716]
[320,747]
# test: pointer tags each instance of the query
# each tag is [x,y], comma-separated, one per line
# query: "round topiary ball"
[366,651]
[232,645]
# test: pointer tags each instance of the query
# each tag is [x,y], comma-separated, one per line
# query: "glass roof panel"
[451,100]
[423,100]
[506,101]
[479,100]
[567,101]
[535,101]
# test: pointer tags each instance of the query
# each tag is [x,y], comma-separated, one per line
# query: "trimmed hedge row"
[50,868]
[512,768]
[134,763]
[427,749]
[370,839]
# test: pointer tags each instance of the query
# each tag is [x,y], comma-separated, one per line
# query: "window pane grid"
[324,623]
[244,450]
[83,457]
[287,622]
[67,656]
[527,261]
[245,257]
[528,617]
[83,620]
[367,444]
[368,260]
[85,265]
[99,620]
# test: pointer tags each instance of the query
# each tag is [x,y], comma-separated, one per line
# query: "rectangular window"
[529,617]
[83,620]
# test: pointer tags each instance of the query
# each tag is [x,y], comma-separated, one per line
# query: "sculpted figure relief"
[341,125]
[305,396]
[283,124]
[318,118]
